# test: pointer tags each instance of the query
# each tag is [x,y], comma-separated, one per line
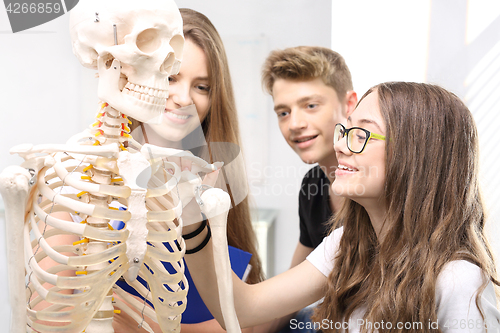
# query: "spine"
[111,127]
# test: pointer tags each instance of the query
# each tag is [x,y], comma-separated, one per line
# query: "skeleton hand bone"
[191,212]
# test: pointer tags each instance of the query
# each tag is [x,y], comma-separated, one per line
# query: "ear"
[351,100]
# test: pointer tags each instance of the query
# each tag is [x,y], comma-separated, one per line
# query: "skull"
[135,45]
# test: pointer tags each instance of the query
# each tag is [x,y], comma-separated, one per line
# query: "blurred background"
[46,95]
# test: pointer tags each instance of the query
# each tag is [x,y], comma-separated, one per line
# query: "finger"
[186,164]
[175,160]
[210,178]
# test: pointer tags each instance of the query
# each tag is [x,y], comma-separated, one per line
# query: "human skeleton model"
[135,45]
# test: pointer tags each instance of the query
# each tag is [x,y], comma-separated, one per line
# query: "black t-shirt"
[314,207]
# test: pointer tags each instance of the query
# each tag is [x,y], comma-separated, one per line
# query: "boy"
[312,91]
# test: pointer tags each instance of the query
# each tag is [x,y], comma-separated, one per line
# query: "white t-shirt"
[456,290]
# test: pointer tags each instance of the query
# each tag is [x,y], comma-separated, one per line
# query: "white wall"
[40,86]
[40,101]
[382,40]
[464,56]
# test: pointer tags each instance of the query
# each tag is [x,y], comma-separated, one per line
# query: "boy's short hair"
[307,63]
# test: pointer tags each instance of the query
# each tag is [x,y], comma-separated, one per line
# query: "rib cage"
[79,289]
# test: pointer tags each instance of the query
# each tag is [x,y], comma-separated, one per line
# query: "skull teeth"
[135,88]
[146,94]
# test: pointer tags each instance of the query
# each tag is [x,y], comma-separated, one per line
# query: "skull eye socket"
[171,64]
[148,41]
[166,67]
[177,43]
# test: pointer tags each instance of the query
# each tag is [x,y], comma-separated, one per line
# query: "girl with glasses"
[407,251]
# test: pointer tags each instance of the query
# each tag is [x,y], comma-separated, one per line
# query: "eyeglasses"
[357,137]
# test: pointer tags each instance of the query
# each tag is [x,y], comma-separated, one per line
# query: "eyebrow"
[300,101]
[366,121]
[199,78]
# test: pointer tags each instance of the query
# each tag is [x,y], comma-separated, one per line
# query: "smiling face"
[188,102]
[361,177]
[307,113]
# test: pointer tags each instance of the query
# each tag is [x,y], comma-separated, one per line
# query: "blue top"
[196,311]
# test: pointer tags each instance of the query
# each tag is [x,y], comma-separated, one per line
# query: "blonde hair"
[307,63]
[435,213]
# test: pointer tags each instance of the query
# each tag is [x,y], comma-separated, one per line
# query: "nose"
[297,120]
[341,147]
[180,95]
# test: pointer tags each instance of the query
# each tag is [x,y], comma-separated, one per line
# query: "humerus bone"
[215,205]
[15,189]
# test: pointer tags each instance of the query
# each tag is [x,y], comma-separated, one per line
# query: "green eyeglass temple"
[376,136]
[340,130]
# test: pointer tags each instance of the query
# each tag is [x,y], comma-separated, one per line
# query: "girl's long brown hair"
[435,213]
[220,127]
[221,131]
